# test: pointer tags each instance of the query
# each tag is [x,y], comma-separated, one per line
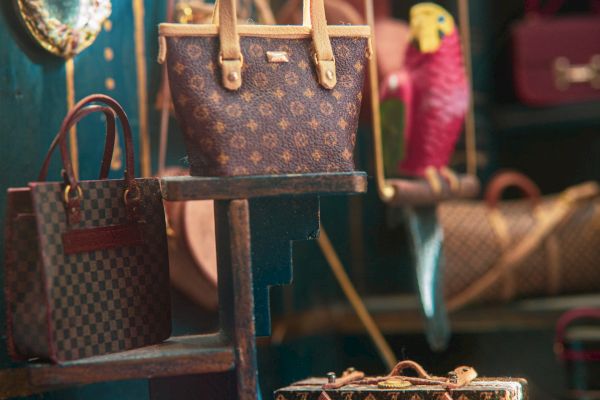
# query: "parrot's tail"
[426,243]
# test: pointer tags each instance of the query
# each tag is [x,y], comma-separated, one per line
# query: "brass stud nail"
[109,83]
[233,76]
[109,54]
[329,74]
[331,377]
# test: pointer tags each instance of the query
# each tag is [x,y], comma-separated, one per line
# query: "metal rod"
[385,191]
[384,349]
[470,137]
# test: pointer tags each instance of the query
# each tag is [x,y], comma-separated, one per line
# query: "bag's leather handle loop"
[232,60]
[567,319]
[108,147]
[505,179]
[73,193]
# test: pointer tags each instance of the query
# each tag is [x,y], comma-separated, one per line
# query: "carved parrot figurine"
[423,110]
[433,92]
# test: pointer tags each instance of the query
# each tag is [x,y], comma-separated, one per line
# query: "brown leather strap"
[231,58]
[554,265]
[128,137]
[498,184]
[73,192]
[344,380]
[324,59]
[108,147]
[458,378]
[505,179]
[408,364]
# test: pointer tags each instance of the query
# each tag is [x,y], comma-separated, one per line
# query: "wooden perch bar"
[418,192]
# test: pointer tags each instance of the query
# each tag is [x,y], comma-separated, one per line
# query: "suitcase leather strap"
[513,257]
[459,377]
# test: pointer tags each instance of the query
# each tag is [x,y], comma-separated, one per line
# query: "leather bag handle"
[505,179]
[108,147]
[73,193]
[564,322]
[231,58]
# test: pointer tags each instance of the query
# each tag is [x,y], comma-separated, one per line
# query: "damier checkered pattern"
[471,248]
[106,300]
[25,297]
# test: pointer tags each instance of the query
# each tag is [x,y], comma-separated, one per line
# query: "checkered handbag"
[86,261]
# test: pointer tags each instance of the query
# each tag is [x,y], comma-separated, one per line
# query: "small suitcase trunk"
[479,389]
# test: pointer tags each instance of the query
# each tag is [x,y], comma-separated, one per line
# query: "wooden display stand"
[256,218]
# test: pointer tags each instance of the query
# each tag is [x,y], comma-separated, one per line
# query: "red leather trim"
[568,318]
[86,240]
[580,355]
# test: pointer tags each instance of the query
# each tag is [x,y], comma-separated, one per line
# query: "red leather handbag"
[556,59]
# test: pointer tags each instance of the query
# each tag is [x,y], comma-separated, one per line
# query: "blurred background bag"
[577,345]
[538,246]
[556,58]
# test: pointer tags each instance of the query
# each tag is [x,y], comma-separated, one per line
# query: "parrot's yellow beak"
[429,23]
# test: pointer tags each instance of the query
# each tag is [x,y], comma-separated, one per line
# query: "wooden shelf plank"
[520,119]
[180,188]
[182,355]
[400,315]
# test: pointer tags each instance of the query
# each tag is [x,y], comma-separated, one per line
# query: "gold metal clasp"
[566,73]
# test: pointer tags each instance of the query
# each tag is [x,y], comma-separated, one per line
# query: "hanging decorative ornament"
[64,27]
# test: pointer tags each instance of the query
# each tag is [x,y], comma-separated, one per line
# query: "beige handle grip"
[231,58]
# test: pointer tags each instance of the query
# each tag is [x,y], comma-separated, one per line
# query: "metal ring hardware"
[67,192]
[126,198]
